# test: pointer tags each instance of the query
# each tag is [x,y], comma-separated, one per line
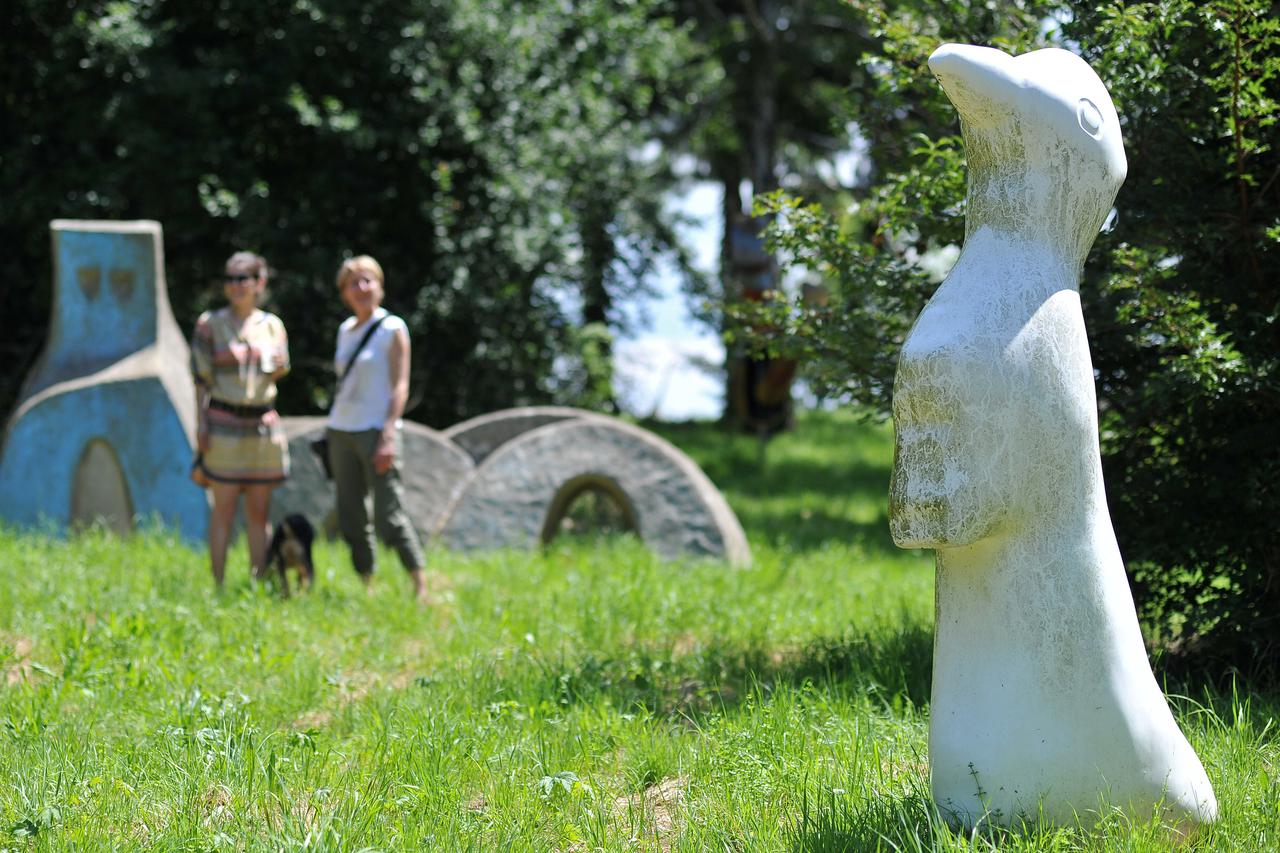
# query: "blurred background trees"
[509,163]
[501,159]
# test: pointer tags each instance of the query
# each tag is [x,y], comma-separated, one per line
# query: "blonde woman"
[372,363]
[237,355]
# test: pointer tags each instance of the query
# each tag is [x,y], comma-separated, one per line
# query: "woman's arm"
[398,356]
[202,373]
[282,364]
[202,417]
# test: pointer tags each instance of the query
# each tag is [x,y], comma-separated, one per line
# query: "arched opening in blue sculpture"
[99,490]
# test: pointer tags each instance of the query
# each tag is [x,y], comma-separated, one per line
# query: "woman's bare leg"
[225,496]
[257,503]
[419,578]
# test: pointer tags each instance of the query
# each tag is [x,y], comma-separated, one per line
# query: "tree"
[910,203]
[803,82]
[58,70]
[1183,303]
[478,149]
[785,70]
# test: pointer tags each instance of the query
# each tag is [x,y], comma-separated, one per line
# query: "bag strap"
[368,334]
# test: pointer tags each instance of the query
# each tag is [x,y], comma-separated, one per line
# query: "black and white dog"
[291,547]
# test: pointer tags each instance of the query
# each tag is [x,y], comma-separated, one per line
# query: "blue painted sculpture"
[105,424]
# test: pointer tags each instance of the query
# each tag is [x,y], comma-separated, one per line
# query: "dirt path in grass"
[18,668]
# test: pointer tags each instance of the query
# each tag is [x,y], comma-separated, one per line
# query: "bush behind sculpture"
[1179,299]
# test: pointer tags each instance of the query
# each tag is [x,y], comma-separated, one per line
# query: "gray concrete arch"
[484,434]
[510,500]
[433,470]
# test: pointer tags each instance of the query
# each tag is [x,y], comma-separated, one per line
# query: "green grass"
[587,698]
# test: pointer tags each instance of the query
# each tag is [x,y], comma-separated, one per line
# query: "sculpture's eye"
[1090,118]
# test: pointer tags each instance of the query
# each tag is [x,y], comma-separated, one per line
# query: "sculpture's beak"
[980,81]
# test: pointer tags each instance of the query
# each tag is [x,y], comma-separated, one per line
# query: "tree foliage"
[1179,295]
[866,245]
[1183,302]
[478,149]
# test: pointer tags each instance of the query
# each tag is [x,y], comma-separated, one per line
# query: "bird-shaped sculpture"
[1044,703]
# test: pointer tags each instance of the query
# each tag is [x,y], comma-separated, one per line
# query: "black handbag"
[320,446]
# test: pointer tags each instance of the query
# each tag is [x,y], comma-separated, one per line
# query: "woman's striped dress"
[246,442]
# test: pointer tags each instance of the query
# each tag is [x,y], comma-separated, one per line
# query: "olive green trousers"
[351,460]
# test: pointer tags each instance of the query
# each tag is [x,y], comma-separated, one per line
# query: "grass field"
[587,698]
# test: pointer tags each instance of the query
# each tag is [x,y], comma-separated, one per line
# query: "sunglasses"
[239,279]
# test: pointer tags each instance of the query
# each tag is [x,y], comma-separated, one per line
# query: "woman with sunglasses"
[237,354]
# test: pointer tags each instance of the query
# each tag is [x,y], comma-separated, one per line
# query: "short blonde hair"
[255,262]
[352,267]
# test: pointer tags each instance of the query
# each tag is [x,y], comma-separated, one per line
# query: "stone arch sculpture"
[478,484]
[511,499]
[110,395]
[1044,703]
[434,472]
[482,435]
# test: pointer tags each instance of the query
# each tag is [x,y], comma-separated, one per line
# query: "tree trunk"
[757,123]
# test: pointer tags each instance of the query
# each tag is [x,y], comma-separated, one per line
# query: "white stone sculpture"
[1044,703]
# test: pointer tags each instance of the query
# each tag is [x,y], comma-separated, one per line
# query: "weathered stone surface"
[307,490]
[515,495]
[1044,704]
[482,435]
[434,471]
[111,390]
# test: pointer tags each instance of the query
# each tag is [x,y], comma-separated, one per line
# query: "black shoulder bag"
[320,446]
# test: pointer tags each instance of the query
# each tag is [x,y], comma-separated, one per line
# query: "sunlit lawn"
[590,697]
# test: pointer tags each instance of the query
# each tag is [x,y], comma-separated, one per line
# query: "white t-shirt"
[366,393]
